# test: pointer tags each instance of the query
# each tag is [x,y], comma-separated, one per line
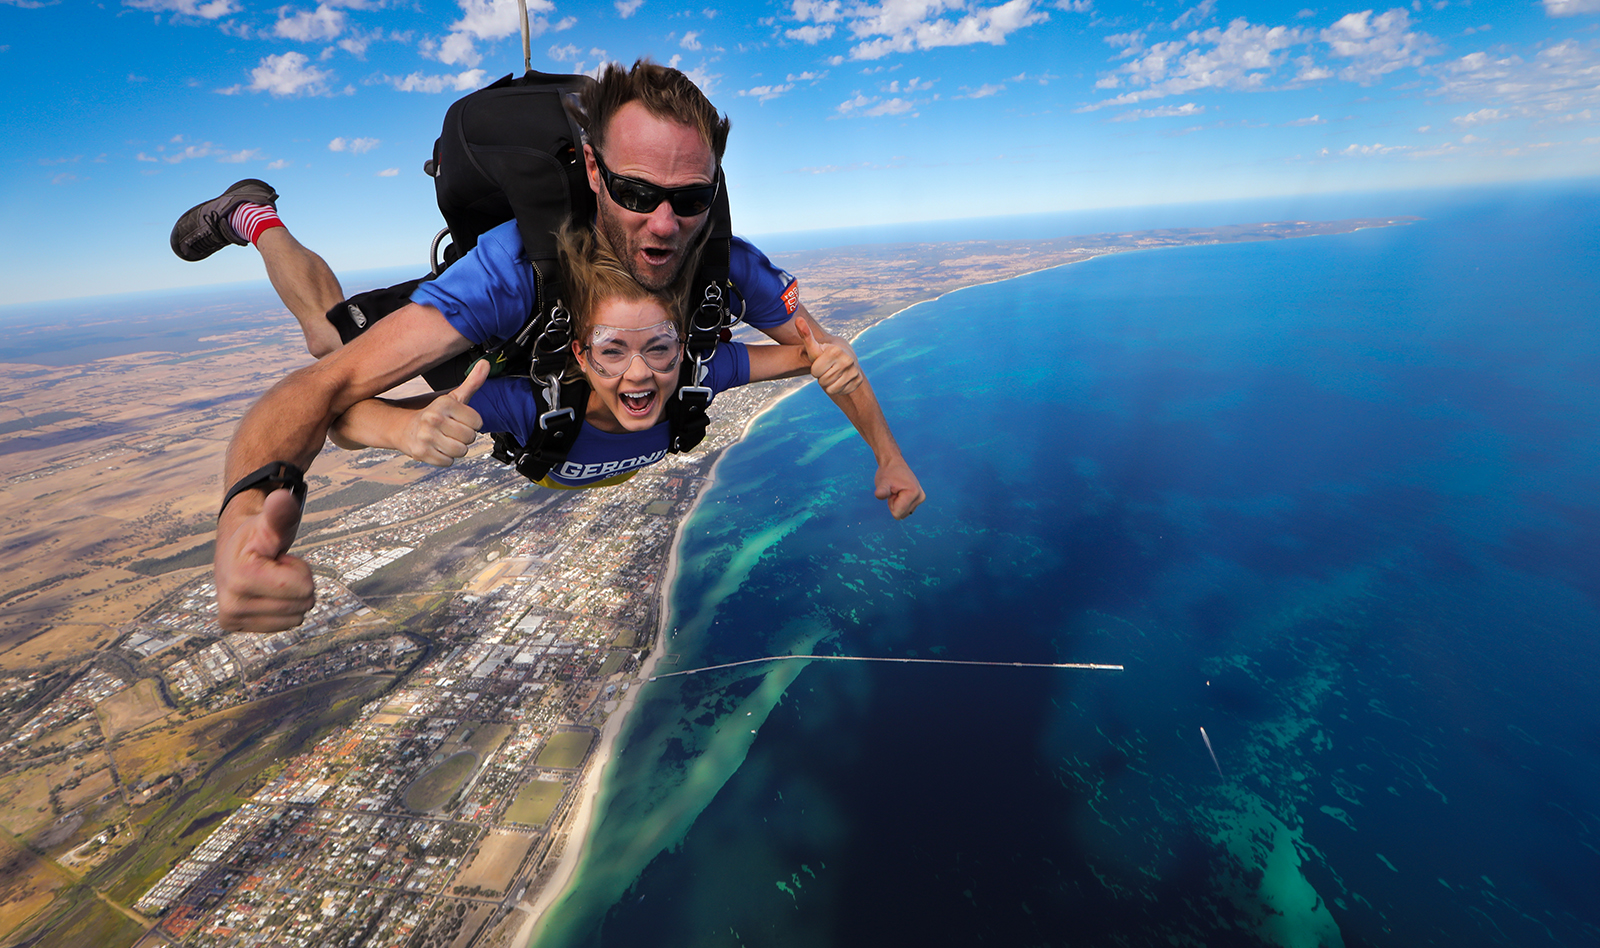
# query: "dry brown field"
[132,708]
[498,857]
[28,884]
[130,470]
[25,806]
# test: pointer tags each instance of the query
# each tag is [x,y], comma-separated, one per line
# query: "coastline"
[592,783]
[593,779]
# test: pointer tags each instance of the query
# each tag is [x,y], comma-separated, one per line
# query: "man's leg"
[306,285]
[246,213]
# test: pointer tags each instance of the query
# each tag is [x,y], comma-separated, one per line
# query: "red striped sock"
[250,221]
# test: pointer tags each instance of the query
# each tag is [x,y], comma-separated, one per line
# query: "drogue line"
[865,658]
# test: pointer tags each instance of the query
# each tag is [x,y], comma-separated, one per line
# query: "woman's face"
[630,358]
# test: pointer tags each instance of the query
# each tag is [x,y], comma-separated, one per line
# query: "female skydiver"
[627,344]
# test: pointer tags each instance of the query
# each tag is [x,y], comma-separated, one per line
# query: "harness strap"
[553,438]
[708,325]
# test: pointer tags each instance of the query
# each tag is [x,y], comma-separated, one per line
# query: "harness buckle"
[554,413]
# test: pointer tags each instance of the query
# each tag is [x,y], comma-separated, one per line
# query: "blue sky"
[121,114]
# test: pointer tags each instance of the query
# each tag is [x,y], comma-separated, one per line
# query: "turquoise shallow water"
[1333,500]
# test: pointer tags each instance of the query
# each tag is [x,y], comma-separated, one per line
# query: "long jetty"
[862,658]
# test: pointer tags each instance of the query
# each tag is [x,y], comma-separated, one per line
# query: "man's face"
[656,151]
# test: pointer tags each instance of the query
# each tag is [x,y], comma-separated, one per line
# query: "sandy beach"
[582,819]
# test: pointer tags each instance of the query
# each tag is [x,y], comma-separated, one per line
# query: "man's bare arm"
[895,482]
[260,588]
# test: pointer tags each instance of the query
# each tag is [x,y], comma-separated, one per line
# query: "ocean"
[1335,500]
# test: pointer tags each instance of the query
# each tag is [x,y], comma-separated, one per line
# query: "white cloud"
[564,54]
[765,93]
[1130,44]
[818,11]
[355,146]
[1561,82]
[1479,117]
[289,74]
[1313,120]
[240,157]
[699,75]
[901,26]
[1240,57]
[1361,151]
[855,103]
[810,35]
[1570,7]
[806,76]
[1188,109]
[894,106]
[1075,6]
[275,165]
[490,20]
[691,40]
[358,40]
[1377,45]
[873,106]
[307,26]
[982,92]
[208,10]
[1247,57]
[418,82]
[1305,14]
[1195,14]
[388,172]
[189,152]
[627,8]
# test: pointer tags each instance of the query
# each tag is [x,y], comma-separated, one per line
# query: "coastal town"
[409,767]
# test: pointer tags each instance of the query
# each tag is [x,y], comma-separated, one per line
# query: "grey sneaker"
[203,229]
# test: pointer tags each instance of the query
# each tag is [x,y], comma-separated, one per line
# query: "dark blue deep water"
[1336,500]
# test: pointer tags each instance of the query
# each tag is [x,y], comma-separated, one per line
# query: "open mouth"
[656,255]
[638,404]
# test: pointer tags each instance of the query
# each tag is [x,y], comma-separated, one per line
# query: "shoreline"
[593,780]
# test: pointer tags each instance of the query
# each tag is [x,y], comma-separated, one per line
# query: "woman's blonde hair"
[594,275]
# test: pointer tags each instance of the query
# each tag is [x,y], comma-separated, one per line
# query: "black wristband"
[273,476]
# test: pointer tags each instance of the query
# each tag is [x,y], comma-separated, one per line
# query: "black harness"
[545,339]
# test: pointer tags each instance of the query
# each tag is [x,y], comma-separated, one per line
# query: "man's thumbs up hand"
[833,363]
[260,588]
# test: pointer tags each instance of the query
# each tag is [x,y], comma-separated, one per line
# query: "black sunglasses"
[642,197]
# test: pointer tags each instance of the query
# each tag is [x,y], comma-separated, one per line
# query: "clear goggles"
[611,350]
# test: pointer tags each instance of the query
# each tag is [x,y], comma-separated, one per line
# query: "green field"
[614,660]
[434,789]
[566,749]
[92,922]
[535,802]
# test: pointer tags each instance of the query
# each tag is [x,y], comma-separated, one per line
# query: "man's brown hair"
[665,93]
